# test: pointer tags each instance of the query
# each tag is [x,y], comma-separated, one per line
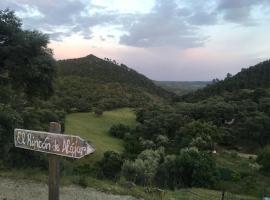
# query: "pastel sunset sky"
[164,39]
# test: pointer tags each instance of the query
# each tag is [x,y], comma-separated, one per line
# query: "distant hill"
[181,87]
[89,82]
[257,76]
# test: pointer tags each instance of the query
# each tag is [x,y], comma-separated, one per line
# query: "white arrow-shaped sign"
[53,143]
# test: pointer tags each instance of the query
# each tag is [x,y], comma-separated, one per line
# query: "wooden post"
[223,195]
[54,167]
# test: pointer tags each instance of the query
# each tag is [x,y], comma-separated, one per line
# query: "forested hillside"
[90,82]
[254,77]
[239,105]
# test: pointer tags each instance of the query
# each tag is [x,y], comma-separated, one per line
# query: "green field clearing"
[95,129]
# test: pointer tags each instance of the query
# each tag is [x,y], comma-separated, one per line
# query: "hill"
[89,82]
[257,76]
[239,105]
[181,87]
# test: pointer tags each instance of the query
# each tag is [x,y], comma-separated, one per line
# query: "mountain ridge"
[253,77]
[89,82]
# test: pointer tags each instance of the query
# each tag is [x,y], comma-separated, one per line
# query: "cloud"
[110,36]
[165,25]
[64,17]
[203,18]
[240,11]
[169,23]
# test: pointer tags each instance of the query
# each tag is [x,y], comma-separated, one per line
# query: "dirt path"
[11,189]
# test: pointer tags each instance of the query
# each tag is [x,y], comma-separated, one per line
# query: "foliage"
[256,127]
[264,158]
[25,60]
[188,169]
[197,134]
[143,169]
[98,111]
[182,87]
[110,165]
[251,78]
[27,70]
[119,130]
[9,119]
[89,82]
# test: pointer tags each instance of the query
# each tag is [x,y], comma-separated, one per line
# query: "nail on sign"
[53,143]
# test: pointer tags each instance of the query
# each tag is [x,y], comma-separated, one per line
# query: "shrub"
[198,134]
[189,169]
[264,158]
[143,169]
[119,130]
[111,165]
[226,174]
[9,119]
[82,182]
[98,111]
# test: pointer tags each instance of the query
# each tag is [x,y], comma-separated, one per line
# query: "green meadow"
[95,129]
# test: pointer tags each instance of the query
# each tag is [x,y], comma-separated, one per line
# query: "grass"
[250,181]
[106,186]
[204,194]
[120,189]
[95,129]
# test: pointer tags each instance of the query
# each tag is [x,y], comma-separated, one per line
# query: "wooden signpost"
[55,144]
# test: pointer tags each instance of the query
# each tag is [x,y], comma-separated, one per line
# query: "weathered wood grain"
[54,167]
[53,143]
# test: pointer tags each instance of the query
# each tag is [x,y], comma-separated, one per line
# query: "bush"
[111,165]
[82,182]
[143,170]
[9,119]
[226,174]
[119,130]
[197,134]
[189,169]
[98,111]
[264,158]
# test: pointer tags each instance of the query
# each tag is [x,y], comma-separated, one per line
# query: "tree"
[190,168]
[229,75]
[256,127]
[9,119]
[197,134]
[25,60]
[143,169]
[26,74]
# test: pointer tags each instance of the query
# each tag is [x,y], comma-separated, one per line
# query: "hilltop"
[89,82]
[254,77]
[239,105]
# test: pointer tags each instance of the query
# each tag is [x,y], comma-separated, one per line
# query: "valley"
[153,140]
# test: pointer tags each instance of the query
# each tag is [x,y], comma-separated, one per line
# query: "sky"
[176,40]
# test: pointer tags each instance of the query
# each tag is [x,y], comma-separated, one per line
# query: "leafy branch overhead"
[25,60]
